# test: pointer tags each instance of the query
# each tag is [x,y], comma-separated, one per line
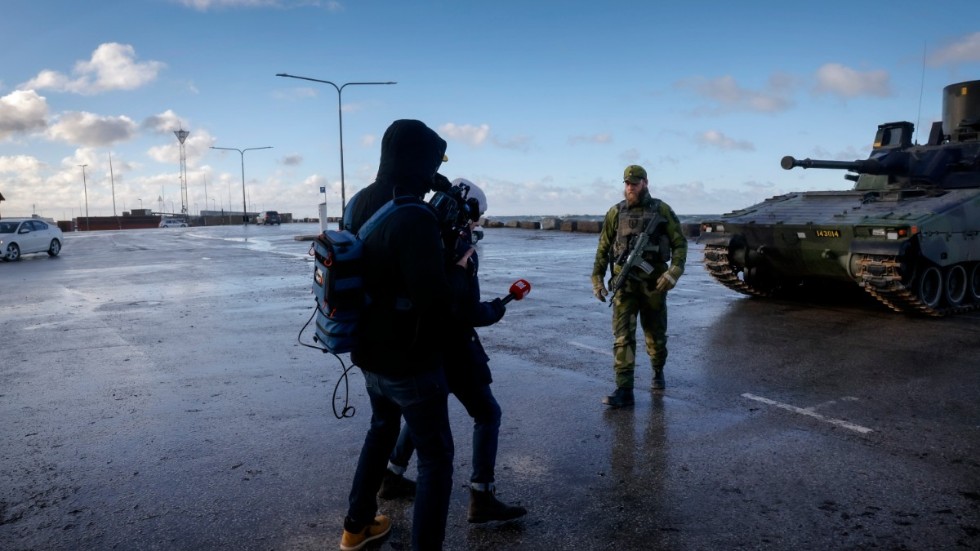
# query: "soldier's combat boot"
[623,397]
[658,380]
[484,507]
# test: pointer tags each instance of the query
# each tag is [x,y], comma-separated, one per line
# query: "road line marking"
[810,413]
[590,348]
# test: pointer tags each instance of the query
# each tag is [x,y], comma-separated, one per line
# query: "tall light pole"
[184,202]
[340,120]
[242,153]
[85,186]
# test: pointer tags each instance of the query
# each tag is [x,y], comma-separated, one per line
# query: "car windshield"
[8,227]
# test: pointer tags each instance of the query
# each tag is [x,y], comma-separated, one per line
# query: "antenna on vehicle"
[922,84]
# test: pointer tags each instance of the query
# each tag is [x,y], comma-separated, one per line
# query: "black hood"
[411,153]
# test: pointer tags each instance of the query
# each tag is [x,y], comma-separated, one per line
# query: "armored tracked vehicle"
[908,233]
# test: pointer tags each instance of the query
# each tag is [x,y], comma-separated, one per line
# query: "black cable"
[348,410]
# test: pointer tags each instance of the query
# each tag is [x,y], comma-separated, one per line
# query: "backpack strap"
[346,220]
[378,217]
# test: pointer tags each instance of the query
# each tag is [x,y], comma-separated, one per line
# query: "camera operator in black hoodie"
[401,336]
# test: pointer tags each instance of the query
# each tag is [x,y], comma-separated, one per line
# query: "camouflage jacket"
[610,228]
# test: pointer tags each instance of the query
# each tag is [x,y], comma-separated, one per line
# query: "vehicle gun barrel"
[868,166]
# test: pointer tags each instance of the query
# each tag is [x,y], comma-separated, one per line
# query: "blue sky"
[543,103]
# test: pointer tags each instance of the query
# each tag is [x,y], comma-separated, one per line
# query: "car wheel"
[55,248]
[13,252]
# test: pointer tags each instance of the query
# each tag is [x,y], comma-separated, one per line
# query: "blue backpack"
[338,280]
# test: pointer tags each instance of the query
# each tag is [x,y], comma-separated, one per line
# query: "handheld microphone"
[518,290]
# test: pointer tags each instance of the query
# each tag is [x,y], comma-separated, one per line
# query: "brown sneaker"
[379,528]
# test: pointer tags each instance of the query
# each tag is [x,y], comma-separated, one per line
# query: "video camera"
[452,205]
[455,210]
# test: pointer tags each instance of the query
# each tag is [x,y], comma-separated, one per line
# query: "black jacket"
[467,361]
[403,329]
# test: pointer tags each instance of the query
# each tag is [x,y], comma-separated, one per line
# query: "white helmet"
[472,191]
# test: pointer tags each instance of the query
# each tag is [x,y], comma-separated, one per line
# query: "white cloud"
[113,66]
[731,97]
[164,123]
[196,146]
[292,160]
[368,140]
[205,5]
[602,138]
[295,93]
[471,135]
[720,140]
[965,50]
[22,111]
[836,79]
[20,164]
[517,143]
[81,128]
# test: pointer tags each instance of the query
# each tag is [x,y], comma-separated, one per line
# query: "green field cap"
[634,173]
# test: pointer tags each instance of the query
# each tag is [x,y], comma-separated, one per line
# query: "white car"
[173,223]
[20,236]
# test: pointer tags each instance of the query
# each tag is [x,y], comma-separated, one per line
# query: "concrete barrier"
[550,223]
[691,230]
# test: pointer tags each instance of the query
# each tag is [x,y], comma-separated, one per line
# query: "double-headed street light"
[242,153]
[340,120]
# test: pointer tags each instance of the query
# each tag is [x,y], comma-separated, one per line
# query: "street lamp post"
[340,120]
[85,187]
[242,153]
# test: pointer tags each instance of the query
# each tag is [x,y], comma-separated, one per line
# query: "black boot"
[658,380]
[484,507]
[621,398]
[395,486]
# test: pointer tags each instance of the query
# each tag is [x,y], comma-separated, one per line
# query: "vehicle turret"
[950,159]
[908,232]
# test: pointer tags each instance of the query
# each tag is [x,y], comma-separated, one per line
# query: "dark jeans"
[422,401]
[485,411]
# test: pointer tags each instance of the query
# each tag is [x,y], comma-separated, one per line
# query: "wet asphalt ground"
[153,395]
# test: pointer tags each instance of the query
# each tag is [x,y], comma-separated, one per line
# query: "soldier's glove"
[599,288]
[669,279]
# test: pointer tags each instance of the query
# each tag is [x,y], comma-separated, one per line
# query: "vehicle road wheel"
[55,248]
[13,252]
[975,282]
[955,284]
[929,288]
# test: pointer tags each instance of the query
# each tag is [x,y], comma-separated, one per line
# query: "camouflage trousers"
[638,298]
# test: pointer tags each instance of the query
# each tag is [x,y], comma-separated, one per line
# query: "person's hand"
[599,288]
[669,278]
[498,308]
[465,257]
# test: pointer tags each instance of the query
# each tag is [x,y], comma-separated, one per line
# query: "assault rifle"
[634,259]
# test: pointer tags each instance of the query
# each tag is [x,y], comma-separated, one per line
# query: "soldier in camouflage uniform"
[644,293]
